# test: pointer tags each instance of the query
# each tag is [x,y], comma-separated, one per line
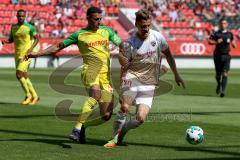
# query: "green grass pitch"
[35,132]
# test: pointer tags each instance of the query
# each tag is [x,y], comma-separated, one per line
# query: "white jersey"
[145,56]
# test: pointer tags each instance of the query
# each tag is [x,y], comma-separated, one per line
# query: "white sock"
[119,122]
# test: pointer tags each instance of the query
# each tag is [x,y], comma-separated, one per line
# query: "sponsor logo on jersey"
[98,43]
[153,43]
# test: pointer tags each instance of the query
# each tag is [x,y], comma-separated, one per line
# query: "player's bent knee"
[95,92]
[107,116]
[225,74]
[125,108]
[19,75]
[141,119]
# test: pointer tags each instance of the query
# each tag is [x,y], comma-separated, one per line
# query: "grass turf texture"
[34,132]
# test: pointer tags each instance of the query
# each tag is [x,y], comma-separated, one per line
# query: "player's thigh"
[142,112]
[128,90]
[226,59]
[106,101]
[106,88]
[218,65]
[91,82]
[89,77]
[22,65]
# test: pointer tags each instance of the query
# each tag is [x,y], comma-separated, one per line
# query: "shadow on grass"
[26,116]
[205,94]
[220,150]
[15,104]
[59,142]
[10,103]
[217,158]
[75,116]
[210,149]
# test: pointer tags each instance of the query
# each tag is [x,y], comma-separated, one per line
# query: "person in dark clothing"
[222,39]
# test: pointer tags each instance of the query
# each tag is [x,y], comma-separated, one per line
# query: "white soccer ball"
[194,135]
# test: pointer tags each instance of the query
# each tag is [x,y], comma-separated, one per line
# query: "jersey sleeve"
[72,39]
[33,31]
[113,37]
[163,45]
[127,49]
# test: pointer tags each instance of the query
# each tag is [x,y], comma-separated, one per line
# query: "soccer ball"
[194,135]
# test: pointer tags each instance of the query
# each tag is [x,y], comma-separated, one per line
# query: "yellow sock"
[86,111]
[31,89]
[25,86]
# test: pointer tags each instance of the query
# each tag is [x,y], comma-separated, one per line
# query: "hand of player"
[30,55]
[179,80]
[220,40]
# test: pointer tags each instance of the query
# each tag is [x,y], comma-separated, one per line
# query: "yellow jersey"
[94,47]
[22,35]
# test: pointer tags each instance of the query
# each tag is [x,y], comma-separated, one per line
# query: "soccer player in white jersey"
[140,60]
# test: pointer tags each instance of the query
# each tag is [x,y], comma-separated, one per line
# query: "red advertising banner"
[178,48]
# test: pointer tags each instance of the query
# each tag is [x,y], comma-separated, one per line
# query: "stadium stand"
[177,19]
[55,16]
[186,19]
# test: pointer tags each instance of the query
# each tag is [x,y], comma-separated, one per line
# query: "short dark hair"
[92,10]
[21,10]
[223,19]
[142,14]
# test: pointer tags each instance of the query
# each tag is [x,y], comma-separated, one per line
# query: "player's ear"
[88,17]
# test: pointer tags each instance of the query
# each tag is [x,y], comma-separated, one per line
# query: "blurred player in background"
[140,58]
[222,39]
[22,35]
[93,43]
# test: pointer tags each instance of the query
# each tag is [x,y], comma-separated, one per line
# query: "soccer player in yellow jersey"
[22,35]
[93,43]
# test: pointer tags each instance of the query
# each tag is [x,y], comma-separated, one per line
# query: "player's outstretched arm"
[234,45]
[173,67]
[50,50]
[123,60]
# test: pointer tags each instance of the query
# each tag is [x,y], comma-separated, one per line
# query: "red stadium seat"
[5,2]
[1,21]
[8,14]
[48,29]
[171,25]
[10,7]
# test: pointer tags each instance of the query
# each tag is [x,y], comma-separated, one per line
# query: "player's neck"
[92,28]
[142,38]
[224,30]
[20,23]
